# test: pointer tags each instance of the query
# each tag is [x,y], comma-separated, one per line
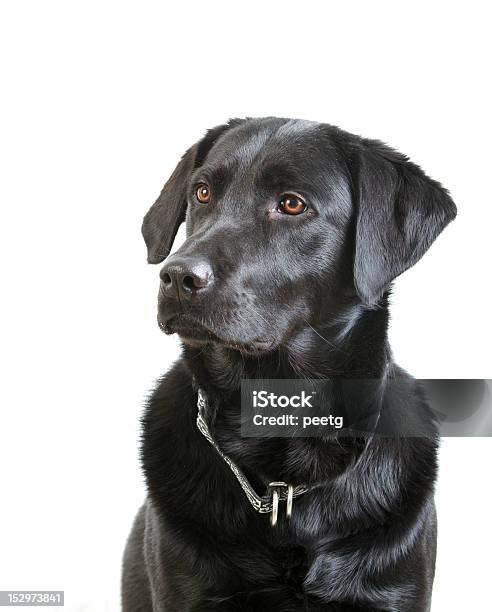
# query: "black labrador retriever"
[295,231]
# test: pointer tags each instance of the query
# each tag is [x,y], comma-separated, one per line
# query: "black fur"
[288,297]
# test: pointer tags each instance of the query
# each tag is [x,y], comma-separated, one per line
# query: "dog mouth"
[194,333]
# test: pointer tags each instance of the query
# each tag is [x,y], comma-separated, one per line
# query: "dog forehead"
[283,147]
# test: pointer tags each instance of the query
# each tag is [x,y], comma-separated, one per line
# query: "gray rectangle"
[32,598]
[393,406]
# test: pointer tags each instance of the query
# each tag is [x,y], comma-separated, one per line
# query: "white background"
[99,100]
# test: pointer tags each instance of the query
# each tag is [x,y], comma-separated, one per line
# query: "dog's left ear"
[163,219]
[400,212]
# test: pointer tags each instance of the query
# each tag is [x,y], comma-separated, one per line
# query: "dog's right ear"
[162,221]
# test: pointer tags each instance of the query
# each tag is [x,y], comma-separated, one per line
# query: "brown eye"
[291,204]
[203,193]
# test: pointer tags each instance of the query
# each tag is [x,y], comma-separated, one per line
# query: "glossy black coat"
[289,297]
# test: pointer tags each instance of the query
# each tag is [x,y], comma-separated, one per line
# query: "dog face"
[289,224]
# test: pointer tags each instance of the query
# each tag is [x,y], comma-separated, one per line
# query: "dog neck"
[353,345]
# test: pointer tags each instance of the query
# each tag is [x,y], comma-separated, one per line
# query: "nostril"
[191,283]
[166,280]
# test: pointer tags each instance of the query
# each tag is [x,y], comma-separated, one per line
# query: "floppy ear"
[162,221]
[401,211]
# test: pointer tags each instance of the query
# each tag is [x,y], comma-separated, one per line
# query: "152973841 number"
[31,598]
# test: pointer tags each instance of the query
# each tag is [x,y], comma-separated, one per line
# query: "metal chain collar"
[278,490]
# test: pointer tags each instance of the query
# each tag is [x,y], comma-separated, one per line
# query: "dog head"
[286,221]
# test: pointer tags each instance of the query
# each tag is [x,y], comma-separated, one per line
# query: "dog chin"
[193,333]
[253,348]
[256,348]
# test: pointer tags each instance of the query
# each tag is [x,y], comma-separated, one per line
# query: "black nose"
[186,277]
